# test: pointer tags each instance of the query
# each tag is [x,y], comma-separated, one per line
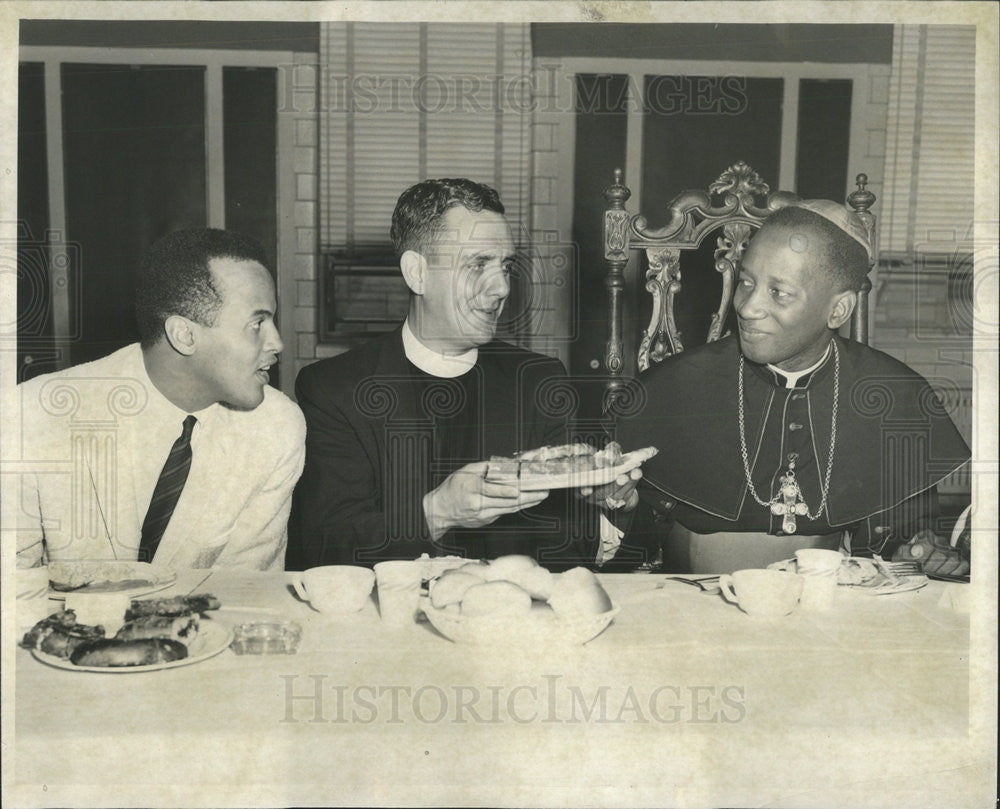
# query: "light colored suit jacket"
[84,433]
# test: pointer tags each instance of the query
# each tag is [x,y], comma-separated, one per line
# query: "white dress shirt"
[95,438]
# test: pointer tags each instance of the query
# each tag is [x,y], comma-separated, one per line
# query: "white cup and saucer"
[335,589]
[764,595]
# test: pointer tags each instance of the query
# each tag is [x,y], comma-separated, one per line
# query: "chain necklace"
[788,502]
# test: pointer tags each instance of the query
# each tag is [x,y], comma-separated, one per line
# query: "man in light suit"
[174,449]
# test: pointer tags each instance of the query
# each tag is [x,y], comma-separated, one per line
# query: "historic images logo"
[434,93]
[48,312]
[316,699]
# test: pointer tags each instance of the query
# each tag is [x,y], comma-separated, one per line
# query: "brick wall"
[927,323]
[300,340]
[551,207]
[874,110]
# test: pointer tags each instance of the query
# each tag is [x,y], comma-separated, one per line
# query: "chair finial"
[862,199]
[616,194]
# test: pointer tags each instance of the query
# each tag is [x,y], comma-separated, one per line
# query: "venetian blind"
[928,204]
[402,102]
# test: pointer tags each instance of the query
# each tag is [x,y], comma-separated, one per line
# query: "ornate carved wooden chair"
[733,207]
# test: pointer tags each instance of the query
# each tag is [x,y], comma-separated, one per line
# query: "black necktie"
[167,492]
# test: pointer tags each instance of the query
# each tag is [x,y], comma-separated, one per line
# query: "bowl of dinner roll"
[512,600]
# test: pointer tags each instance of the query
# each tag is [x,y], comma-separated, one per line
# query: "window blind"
[930,141]
[402,102]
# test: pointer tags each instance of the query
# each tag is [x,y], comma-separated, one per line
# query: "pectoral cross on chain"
[791,501]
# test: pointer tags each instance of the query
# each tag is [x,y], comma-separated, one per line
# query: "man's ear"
[414,268]
[841,307]
[180,334]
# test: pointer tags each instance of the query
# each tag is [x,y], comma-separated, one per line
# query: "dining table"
[683,700]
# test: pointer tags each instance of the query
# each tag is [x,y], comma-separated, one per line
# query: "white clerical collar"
[433,363]
[792,377]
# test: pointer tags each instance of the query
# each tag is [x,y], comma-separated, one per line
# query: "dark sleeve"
[645,530]
[560,532]
[548,402]
[338,510]
[579,521]
[884,532]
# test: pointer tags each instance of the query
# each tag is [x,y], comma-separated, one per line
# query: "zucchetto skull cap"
[845,220]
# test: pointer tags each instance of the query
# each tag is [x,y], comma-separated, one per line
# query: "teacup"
[335,589]
[762,594]
[817,561]
[818,569]
[398,592]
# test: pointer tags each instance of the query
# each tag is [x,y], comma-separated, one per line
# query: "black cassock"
[894,443]
[381,433]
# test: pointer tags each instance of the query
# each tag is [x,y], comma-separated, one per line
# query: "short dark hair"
[175,278]
[841,258]
[420,209]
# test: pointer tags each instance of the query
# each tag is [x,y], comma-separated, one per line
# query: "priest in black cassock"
[400,429]
[784,435]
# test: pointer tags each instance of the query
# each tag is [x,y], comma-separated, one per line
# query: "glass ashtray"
[266,638]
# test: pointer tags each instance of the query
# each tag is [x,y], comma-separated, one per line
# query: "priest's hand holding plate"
[620,494]
[466,499]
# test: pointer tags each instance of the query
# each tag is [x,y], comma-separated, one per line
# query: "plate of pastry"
[874,577]
[567,466]
[107,576]
[155,635]
[514,601]
[870,576]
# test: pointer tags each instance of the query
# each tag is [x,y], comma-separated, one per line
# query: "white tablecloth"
[682,701]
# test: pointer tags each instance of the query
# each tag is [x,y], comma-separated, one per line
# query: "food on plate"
[503,470]
[153,632]
[116,652]
[97,575]
[496,598]
[548,461]
[477,569]
[59,634]
[559,461]
[450,587]
[858,572]
[183,629]
[523,571]
[577,592]
[102,585]
[433,566]
[517,586]
[503,612]
[176,606]
[541,611]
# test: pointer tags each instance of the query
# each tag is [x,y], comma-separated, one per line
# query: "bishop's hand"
[936,557]
[466,499]
[620,494]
